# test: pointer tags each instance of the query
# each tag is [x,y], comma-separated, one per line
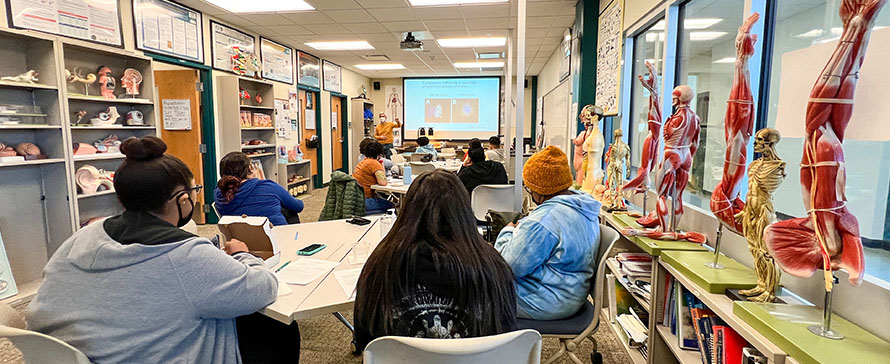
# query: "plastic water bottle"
[299,153]
[387,221]
[406,174]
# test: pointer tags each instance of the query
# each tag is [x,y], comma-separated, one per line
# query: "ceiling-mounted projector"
[411,44]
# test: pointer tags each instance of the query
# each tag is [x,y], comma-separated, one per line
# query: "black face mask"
[183,220]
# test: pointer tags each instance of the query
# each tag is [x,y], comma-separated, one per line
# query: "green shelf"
[786,326]
[691,264]
[652,246]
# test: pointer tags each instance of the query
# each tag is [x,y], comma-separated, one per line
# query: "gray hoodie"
[174,302]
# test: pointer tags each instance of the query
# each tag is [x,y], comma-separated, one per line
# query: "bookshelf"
[362,127]
[235,134]
[303,169]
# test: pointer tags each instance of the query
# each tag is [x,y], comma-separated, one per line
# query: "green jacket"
[345,198]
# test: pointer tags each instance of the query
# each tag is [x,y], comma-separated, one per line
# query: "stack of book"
[635,330]
[636,273]
[629,315]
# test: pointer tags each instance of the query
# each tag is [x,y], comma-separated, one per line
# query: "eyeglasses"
[196,188]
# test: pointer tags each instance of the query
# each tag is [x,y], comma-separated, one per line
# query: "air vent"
[376,57]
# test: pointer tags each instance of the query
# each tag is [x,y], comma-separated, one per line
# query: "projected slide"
[456,108]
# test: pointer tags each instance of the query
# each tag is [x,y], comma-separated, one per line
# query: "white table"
[323,295]
[446,156]
[448,166]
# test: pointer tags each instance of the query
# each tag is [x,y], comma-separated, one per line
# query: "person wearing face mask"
[239,192]
[135,288]
[552,251]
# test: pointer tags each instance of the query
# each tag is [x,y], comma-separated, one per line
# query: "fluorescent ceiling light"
[481,64]
[341,46]
[701,36]
[725,60]
[380,66]
[472,42]
[262,6]
[452,2]
[690,24]
[490,55]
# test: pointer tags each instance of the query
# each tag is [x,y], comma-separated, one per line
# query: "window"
[705,56]
[805,36]
[648,46]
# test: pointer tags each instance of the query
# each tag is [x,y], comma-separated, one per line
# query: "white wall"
[559,125]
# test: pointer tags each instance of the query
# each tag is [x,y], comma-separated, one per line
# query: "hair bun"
[143,149]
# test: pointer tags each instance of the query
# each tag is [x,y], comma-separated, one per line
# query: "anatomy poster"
[394,103]
[94,20]
[332,77]
[223,38]
[608,64]
[308,69]
[278,61]
[169,28]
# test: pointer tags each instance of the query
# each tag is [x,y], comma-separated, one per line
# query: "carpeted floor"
[326,341]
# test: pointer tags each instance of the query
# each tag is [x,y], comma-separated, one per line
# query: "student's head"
[363,144]
[475,143]
[373,149]
[494,142]
[423,141]
[152,182]
[477,155]
[234,168]
[547,174]
[436,212]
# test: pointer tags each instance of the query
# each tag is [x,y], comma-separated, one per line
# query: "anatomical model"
[106,82]
[764,177]
[106,118]
[90,178]
[618,156]
[394,102]
[131,80]
[27,77]
[77,76]
[589,146]
[828,237]
[239,60]
[738,124]
[651,144]
[254,65]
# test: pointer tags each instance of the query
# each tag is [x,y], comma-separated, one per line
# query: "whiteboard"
[556,118]
[168,28]
[93,20]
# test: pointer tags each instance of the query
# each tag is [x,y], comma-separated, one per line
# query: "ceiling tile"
[312,17]
[333,4]
[439,12]
[365,28]
[267,19]
[404,26]
[488,32]
[394,14]
[371,37]
[486,11]
[378,4]
[564,21]
[440,34]
[538,22]
[233,19]
[349,16]
[555,32]
[289,30]
[331,29]
[486,23]
[434,25]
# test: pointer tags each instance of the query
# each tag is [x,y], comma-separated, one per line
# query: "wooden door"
[337,133]
[184,144]
[310,154]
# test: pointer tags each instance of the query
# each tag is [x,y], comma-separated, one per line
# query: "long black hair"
[233,168]
[436,211]
[147,178]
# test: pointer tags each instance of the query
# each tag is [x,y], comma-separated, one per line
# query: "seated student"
[239,192]
[552,250]
[474,143]
[387,163]
[135,288]
[494,152]
[370,172]
[433,276]
[424,147]
[481,171]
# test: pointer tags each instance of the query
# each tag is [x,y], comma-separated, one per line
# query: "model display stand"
[360,131]
[245,119]
[302,185]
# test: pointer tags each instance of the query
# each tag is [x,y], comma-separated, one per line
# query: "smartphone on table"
[311,249]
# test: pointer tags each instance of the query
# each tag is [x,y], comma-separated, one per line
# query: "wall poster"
[277,60]
[93,20]
[394,105]
[566,44]
[332,77]
[168,28]
[608,64]
[308,69]
[282,118]
[222,39]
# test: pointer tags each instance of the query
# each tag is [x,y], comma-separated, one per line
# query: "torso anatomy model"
[738,124]
[651,144]
[589,146]
[395,102]
[828,237]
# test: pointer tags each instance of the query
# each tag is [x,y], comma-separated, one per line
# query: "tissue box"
[256,232]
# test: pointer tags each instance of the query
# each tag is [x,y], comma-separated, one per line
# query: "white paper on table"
[348,278]
[283,289]
[305,270]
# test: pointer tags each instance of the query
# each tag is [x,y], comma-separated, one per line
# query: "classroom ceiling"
[381,23]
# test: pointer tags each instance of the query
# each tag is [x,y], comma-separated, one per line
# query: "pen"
[282,266]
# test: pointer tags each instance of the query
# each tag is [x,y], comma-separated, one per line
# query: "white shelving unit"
[233,135]
[303,169]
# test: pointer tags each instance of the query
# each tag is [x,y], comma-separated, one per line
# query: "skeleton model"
[764,177]
[651,144]
[394,102]
[618,156]
[77,76]
[738,124]
[589,146]
[828,237]
[27,77]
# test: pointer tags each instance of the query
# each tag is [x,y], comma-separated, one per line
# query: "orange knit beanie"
[547,172]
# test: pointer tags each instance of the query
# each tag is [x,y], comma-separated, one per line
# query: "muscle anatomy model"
[764,177]
[589,146]
[738,124]
[651,144]
[828,237]
[618,156]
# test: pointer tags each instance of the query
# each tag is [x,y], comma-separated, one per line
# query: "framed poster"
[308,69]
[222,39]
[277,60]
[166,27]
[332,77]
[565,61]
[92,20]
[608,64]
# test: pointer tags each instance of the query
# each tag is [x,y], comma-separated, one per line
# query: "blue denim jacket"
[552,253]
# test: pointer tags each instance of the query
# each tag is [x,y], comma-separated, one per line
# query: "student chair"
[573,330]
[215,211]
[418,168]
[10,317]
[491,197]
[517,347]
[449,151]
[40,348]
[397,159]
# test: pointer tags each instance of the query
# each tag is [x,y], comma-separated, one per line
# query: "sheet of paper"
[348,278]
[305,270]
[283,289]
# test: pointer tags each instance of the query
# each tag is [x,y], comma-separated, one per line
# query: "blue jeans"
[377,206]
[387,150]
